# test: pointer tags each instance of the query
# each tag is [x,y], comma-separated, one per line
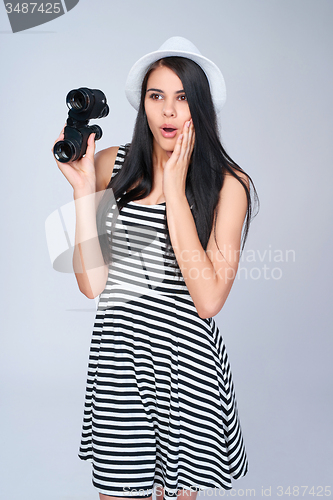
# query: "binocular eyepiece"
[84,104]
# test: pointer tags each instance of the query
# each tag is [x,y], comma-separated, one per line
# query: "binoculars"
[84,104]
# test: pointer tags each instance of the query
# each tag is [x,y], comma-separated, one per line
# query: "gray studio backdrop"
[277,124]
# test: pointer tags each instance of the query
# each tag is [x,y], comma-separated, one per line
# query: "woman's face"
[166,107]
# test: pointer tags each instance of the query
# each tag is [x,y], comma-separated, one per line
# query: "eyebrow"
[161,91]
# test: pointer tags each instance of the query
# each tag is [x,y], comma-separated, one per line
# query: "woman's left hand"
[175,169]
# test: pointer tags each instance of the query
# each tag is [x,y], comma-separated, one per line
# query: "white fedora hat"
[176,46]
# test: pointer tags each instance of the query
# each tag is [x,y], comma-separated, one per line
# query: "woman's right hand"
[80,173]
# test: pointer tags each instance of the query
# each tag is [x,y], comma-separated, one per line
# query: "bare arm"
[208,274]
[91,272]
[88,176]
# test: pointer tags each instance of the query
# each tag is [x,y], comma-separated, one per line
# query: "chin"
[168,145]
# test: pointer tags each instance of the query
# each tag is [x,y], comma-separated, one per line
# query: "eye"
[182,97]
[155,97]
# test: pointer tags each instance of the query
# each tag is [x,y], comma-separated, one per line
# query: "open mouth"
[168,132]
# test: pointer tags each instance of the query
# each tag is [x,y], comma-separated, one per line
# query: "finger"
[192,139]
[190,133]
[91,145]
[178,147]
[185,139]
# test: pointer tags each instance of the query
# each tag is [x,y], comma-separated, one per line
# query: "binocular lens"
[78,100]
[64,151]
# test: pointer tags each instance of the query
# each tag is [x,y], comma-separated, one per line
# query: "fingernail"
[181,136]
[189,123]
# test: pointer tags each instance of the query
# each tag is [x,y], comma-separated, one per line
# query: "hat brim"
[139,69]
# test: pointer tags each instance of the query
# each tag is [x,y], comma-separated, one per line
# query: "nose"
[168,108]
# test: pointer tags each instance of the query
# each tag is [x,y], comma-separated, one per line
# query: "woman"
[160,406]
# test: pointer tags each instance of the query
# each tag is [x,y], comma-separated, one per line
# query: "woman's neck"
[160,157]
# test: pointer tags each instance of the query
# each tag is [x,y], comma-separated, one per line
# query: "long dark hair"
[209,162]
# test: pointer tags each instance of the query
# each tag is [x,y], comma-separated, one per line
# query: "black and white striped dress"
[160,407]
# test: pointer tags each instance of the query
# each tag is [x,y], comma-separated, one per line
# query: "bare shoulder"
[232,187]
[233,204]
[232,181]
[104,163]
